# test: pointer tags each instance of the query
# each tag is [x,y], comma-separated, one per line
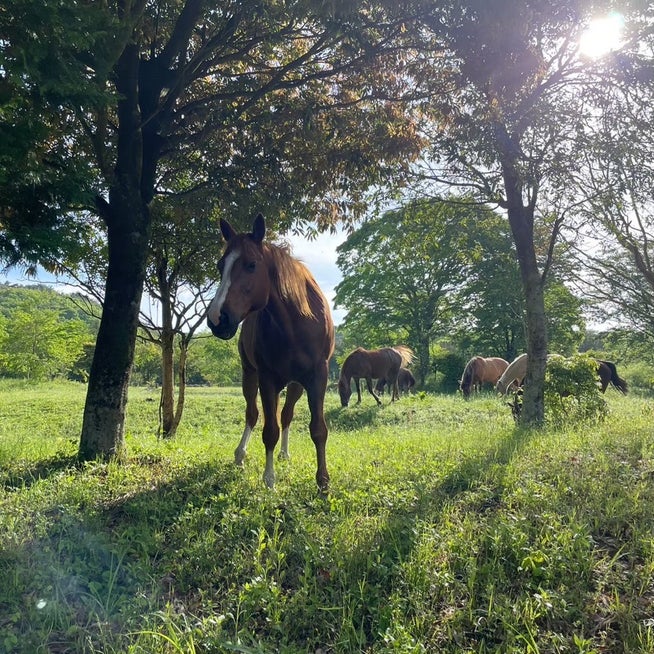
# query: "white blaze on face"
[221,294]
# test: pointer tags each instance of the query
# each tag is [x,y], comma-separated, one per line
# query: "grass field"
[446,529]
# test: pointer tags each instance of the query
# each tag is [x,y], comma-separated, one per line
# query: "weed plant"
[446,529]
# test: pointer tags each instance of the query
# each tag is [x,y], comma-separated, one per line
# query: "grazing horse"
[286,339]
[405,382]
[480,370]
[608,374]
[372,364]
[513,376]
[517,370]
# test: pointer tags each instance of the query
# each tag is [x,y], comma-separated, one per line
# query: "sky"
[319,255]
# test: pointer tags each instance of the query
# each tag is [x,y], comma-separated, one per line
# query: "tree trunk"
[181,391]
[423,361]
[127,217]
[166,407]
[167,383]
[170,415]
[106,397]
[521,219]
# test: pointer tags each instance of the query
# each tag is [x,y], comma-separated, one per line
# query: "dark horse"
[480,370]
[372,364]
[608,374]
[405,382]
[286,339]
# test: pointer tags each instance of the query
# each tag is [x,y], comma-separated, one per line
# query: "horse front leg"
[249,385]
[396,391]
[269,402]
[356,383]
[371,390]
[293,394]
[317,426]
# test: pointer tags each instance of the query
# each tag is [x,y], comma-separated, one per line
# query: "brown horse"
[286,339]
[480,370]
[369,365]
[405,382]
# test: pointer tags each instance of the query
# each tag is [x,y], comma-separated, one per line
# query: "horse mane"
[291,278]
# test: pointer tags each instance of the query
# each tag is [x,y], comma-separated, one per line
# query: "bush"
[640,376]
[571,391]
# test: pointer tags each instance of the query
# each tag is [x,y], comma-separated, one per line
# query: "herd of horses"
[287,339]
[505,376]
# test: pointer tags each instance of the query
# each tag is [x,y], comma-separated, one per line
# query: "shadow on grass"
[180,539]
[24,477]
[92,562]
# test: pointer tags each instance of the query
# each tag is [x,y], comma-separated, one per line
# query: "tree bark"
[127,216]
[521,219]
[106,399]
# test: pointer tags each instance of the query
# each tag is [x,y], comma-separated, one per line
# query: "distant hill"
[39,297]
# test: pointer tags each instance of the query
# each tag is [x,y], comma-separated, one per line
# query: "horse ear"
[227,230]
[259,228]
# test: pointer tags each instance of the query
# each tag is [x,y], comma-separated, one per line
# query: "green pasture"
[446,529]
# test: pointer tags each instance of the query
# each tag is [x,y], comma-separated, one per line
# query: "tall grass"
[446,529]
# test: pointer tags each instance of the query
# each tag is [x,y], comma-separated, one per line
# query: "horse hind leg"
[293,394]
[249,386]
[372,391]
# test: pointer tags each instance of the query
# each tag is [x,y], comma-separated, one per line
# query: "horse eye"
[250,266]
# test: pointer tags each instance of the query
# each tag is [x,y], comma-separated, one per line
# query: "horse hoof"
[284,456]
[269,480]
[239,457]
[323,485]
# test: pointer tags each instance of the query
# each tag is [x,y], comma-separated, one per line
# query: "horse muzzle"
[226,327]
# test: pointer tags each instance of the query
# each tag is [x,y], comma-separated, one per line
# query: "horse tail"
[406,354]
[616,380]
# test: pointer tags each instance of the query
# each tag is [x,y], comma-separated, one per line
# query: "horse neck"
[346,370]
[468,372]
[291,283]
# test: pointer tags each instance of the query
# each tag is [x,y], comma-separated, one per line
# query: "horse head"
[344,390]
[244,279]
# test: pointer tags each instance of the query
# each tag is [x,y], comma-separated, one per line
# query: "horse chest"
[270,347]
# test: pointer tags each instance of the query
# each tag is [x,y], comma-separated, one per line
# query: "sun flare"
[603,35]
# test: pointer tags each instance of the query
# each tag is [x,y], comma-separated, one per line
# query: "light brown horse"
[481,370]
[286,339]
[513,376]
[372,364]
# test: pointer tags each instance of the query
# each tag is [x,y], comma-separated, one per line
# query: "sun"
[603,35]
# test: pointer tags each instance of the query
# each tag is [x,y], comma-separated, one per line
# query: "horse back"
[495,367]
[375,364]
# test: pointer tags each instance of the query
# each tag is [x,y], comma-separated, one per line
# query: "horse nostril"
[224,318]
